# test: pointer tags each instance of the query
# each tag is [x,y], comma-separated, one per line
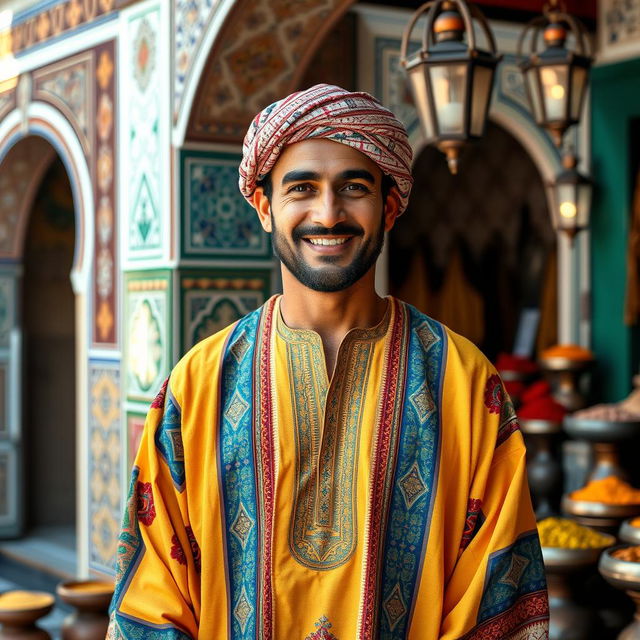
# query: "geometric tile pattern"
[105,282]
[253,62]
[191,21]
[217,220]
[143,124]
[135,426]
[620,26]
[104,464]
[147,343]
[213,299]
[29,29]
[67,85]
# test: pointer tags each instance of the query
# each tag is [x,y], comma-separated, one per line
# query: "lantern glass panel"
[449,86]
[421,98]
[554,91]
[482,81]
[567,206]
[534,94]
[578,85]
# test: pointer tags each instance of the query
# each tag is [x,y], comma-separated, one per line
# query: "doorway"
[48,323]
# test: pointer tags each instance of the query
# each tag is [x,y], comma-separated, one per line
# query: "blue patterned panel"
[512,572]
[238,476]
[217,220]
[415,478]
[168,439]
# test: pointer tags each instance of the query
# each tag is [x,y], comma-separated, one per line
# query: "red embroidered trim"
[507,430]
[158,402]
[265,451]
[473,510]
[528,610]
[493,394]
[146,507]
[384,464]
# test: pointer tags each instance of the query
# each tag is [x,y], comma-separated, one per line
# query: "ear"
[391,208]
[263,208]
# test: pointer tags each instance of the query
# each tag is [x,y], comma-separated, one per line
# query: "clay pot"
[91,600]
[19,611]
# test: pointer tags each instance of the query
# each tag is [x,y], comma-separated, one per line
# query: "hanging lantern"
[556,78]
[572,195]
[451,80]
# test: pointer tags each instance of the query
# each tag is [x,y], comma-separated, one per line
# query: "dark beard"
[330,278]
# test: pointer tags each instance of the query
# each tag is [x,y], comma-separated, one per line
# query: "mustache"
[341,229]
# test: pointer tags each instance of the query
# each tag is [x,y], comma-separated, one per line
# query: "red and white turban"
[356,119]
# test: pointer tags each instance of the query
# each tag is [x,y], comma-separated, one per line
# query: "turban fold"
[356,119]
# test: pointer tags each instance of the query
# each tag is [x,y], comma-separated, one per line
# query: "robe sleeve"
[158,557]
[497,588]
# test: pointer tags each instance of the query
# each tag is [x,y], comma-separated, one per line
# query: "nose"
[327,210]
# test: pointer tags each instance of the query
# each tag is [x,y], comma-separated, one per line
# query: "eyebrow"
[348,174]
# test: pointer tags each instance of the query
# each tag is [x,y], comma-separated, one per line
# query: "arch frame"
[43,120]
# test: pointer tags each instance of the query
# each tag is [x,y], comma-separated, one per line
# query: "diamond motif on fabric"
[240,347]
[236,409]
[426,336]
[423,402]
[322,630]
[412,486]
[515,571]
[242,525]
[394,607]
[176,444]
[243,610]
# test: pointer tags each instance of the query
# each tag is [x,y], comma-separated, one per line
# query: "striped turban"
[356,119]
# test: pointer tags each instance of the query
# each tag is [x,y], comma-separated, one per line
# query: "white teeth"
[327,241]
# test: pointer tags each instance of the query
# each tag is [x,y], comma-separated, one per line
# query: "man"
[335,464]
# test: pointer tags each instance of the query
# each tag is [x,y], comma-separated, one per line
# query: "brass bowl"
[628,533]
[87,595]
[601,430]
[599,509]
[561,560]
[35,605]
[564,364]
[539,427]
[619,573]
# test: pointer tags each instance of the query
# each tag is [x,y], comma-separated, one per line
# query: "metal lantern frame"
[574,64]
[448,52]
[573,188]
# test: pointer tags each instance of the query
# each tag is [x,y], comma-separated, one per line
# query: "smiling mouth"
[327,242]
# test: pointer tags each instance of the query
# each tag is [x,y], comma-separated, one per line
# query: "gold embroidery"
[327,417]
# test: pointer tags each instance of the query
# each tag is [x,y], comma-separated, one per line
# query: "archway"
[477,249]
[48,328]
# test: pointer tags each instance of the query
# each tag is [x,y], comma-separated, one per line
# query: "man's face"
[327,214]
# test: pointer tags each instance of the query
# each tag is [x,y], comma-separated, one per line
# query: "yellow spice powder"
[610,490]
[23,600]
[567,534]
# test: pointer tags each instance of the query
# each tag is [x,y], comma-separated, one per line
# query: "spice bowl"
[91,599]
[599,515]
[623,575]
[629,533]
[19,611]
[606,436]
[565,568]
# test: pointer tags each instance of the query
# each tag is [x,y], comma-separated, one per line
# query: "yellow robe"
[270,501]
